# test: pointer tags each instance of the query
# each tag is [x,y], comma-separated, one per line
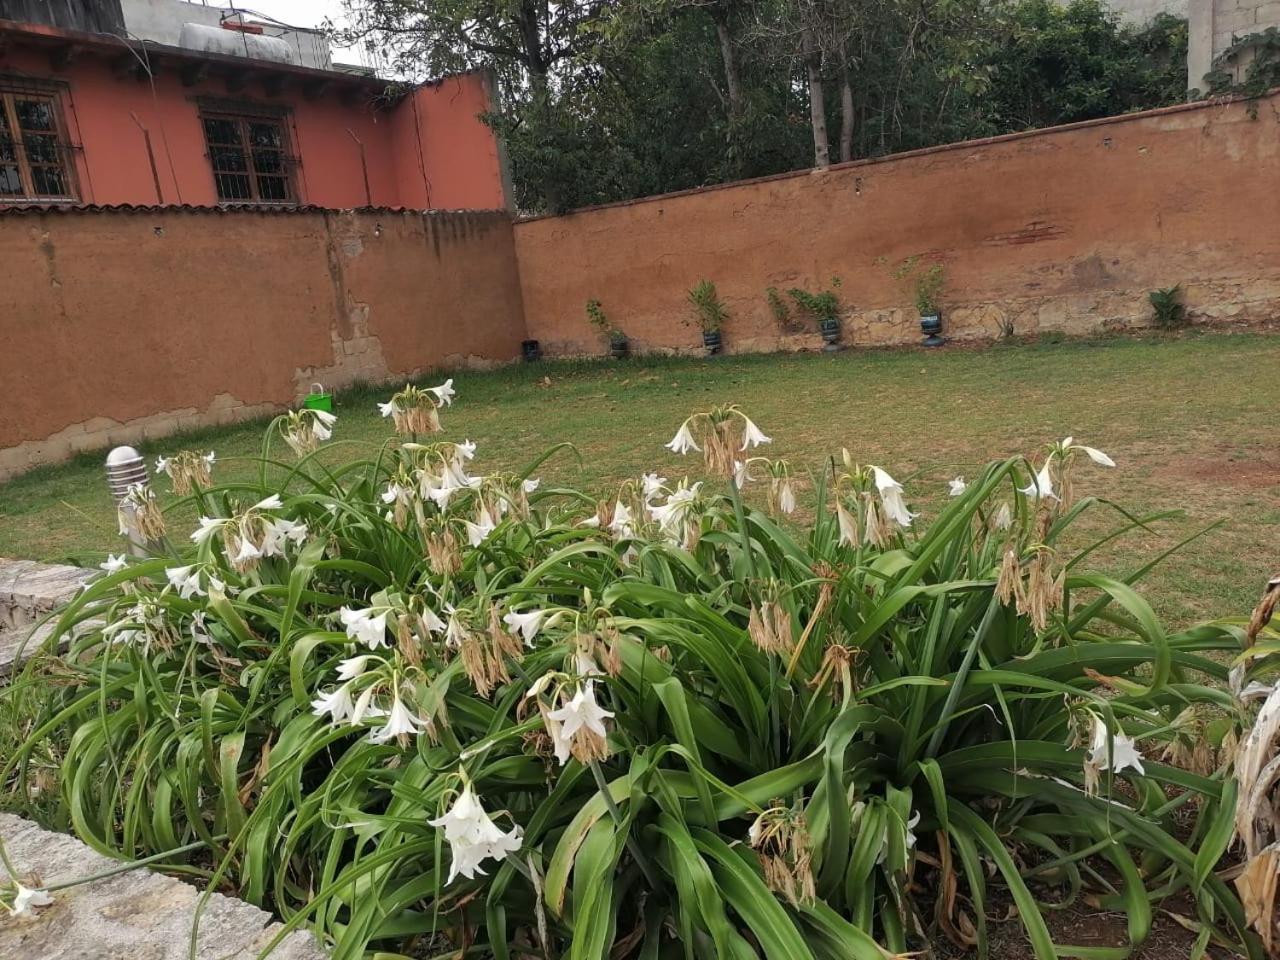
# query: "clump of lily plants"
[424,708]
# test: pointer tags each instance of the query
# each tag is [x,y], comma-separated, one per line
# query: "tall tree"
[522,39]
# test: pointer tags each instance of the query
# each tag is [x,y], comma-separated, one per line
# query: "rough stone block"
[138,915]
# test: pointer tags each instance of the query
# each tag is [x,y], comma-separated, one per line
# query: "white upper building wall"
[1214,26]
[162,21]
[1141,12]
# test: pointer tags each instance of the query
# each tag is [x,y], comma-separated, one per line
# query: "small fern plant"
[1170,311]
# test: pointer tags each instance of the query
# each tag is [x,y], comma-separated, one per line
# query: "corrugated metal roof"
[30,209]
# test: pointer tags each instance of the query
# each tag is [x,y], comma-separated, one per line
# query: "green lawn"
[1191,422]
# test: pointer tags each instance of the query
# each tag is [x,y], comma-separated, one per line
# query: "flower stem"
[637,854]
[741,516]
[114,871]
[7,863]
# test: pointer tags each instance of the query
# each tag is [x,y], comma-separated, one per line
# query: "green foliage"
[925,282]
[823,307]
[809,725]
[709,310]
[597,318]
[1261,51]
[1169,309]
[1063,63]
[778,307]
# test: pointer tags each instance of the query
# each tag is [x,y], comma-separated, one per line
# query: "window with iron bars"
[36,158]
[250,158]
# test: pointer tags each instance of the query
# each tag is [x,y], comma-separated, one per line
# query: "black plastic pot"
[711,340]
[619,347]
[531,349]
[931,327]
[830,330]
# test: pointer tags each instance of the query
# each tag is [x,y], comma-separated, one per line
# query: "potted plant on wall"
[619,345]
[926,282]
[710,314]
[824,307]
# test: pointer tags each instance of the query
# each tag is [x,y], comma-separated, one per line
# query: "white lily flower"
[365,627]
[246,553]
[1041,486]
[280,533]
[752,436]
[431,622]
[388,409]
[586,665]
[741,474]
[592,521]
[672,515]
[1093,453]
[683,441]
[200,628]
[364,708]
[786,496]
[479,531]
[400,722]
[895,507]
[394,492]
[25,898]
[162,464]
[848,526]
[354,667]
[208,527]
[272,502]
[527,624]
[210,459]
[336,703]
[444,393]
[540,685]
[581,711]
[186,580]
[620,525]
[956,487]
[910,832]
[113,564]
[1123,754]
[473,837]
[1004,517]
[466,450]
[651,484]
[530,485]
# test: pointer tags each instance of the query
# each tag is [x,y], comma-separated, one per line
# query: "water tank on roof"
[235,43]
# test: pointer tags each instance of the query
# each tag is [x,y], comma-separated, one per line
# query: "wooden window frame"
[12,90]
[243,115]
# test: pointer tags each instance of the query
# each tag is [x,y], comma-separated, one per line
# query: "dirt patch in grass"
[1237,471]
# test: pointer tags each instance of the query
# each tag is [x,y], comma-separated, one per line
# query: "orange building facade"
[87,118]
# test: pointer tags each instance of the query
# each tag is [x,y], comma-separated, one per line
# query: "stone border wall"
[139,915]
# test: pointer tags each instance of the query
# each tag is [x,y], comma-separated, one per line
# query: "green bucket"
[317,399]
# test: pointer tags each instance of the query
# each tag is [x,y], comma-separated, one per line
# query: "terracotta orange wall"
[114,167]
[1066,229]
[461,165]
[130,325]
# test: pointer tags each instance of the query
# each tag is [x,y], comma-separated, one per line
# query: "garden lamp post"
[125,468]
